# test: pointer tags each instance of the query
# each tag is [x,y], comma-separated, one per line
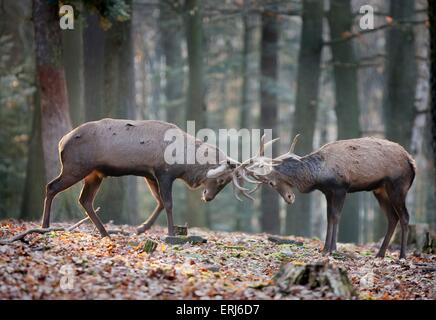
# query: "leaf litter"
[228,266]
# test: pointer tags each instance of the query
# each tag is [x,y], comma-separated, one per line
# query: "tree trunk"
[93,42]
[53,97]
[399,102]
[270,219]
[298,216]
[400,84]
[171,36]
[127,102]
[72,41]
[347,104]
[245,208]
[172,51]
[432,20]
[33,195]
[195,107]
[55,119]
[119,196]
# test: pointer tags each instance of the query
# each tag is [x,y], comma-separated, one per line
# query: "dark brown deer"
[112,147]
[341,167]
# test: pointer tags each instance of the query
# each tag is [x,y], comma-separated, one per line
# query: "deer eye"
[272,184]
[220,181]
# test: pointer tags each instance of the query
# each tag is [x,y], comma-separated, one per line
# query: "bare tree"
[171,43]
[399,100]
[307,89]
[195,107]
[53,98]
[119,199]
[344,62]
[93,43]
[432,19]
[270,220]
[73,60]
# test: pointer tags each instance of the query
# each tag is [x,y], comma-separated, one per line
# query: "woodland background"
[294,66]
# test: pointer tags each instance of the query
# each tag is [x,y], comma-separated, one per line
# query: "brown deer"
[112,147]
[341,167]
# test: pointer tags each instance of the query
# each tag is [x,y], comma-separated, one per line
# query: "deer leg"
[337,203]
[333,247]
[398,201]
[404,222]
[86,199]
[165,188]
[392,217]
[154,189]
[328,238]
[59,184]
[329,233]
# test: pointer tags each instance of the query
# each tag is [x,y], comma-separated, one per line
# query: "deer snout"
[290,197]
[205,196]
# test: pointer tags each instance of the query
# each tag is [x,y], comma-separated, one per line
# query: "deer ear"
[231,165]
[213,173]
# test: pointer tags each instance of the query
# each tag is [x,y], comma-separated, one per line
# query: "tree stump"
[280,240]
[315,276]
[181,230]
[149,246]
[421,237]
[177,240]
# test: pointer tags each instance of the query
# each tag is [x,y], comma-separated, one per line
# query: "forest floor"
[81,265]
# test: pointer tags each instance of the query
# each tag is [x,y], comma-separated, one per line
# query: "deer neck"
[302,173]
[195,174]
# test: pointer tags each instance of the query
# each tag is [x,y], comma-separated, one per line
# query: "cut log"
[315,276]
[421,236]
[181,230]
[280,240]
[22,235]
[149,246]
[184,239]
[429,246]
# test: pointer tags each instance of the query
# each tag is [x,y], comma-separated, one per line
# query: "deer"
[341,167]
[116,147]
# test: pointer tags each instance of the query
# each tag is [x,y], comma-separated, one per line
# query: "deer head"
[262,170]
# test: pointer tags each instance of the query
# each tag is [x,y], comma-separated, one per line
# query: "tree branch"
[386,14]
[22,235]
[76,225]
[352,35]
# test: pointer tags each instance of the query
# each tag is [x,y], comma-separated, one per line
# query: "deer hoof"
[104,234]
[142,228]
[325,251]
[380,255]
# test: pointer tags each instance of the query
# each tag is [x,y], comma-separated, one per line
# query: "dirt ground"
[81,265]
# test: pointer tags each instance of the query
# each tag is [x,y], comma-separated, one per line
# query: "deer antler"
[237,186]
[242,167]
[290,153]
